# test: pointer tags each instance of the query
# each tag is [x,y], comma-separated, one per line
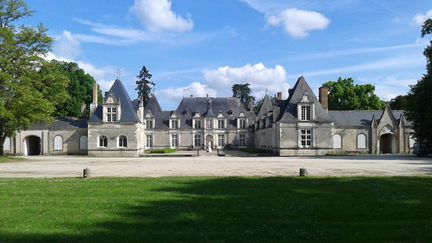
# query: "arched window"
[103,141]
[58,143]
[7,144]
[361,141]
[337,141]
[83,143]
[122,142]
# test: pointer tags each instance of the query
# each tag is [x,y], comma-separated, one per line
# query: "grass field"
[217,209]
[9,159]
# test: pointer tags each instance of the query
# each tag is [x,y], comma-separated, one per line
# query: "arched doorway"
[209,141]
[32,146]
[386,143]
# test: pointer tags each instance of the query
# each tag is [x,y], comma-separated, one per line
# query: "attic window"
[305,113]
[111,114]
[230,112]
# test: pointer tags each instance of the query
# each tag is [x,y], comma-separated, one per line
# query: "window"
[7,144]
[242,123]
[197,140]
[83,143]
[58,143]
[174,124]
[305,138]
[221,124]
[305,113]
[242,139]
[221,140]
[361,141]
[149,124]
[111,114]
[103,141]
[337,141]
[149,140]
[122,142]
[209,124]
[174,140]
[197,124]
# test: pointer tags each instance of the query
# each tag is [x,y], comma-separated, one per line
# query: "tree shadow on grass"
[277,209]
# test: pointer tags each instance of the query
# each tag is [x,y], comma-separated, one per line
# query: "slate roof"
[360,118]
[211,107]
[289,110]
[66,123]
[128,109]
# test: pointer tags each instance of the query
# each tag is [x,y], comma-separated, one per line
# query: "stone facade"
[301,125]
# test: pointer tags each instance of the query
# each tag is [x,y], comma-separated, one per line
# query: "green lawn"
[217,209]
[9,159]
[160,151]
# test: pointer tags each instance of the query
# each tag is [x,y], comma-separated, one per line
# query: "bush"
[161,151]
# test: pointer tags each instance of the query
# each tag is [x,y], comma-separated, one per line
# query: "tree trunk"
[2,139]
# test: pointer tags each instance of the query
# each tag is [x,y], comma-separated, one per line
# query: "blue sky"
[203,47]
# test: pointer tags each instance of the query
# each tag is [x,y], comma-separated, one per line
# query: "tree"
[400,102]
[29,87]
[144,84]
[345,95]
[420,95]
[80,87]
[243,91]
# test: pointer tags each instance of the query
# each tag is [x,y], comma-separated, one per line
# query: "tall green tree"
[345,95]
[244,92]
[144,84]
[420,95]
[80,89]
[29,87]
[399,102]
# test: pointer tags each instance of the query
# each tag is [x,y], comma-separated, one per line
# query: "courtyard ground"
[72,166]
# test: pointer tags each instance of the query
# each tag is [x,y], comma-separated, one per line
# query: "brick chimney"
[279,96]
[323,96]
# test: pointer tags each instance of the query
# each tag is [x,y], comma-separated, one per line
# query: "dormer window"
[149,124]
[197,124]
[305,112]
[111,114]
[241,123]
[221,124]
[174,124]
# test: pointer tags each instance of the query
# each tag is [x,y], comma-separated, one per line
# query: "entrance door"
[386,144]
[209,141]
[32,145]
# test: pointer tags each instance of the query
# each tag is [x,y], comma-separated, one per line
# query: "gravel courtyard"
[72,166]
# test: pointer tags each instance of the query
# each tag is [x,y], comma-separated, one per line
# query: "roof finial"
[118,72]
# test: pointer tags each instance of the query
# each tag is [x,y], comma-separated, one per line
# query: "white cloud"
[102,75]
[196,89]
[420,18]
[298,23]
[67,46]
[259,76]
[157,15]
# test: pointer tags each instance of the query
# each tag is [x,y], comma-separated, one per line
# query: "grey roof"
[229,107]
[66,123]
[360,118]
[289,110]
[128,111]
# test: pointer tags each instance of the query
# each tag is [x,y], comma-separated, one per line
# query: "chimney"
[95,93]
[94,103]
[290,92]
[251,106]
[279,96]
[323,96]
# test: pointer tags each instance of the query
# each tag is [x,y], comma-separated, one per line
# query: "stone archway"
[32,146]
[386,143]
[209,141]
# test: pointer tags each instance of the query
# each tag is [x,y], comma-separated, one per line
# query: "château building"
[299,125]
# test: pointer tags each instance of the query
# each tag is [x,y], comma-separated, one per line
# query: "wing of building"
[299,125]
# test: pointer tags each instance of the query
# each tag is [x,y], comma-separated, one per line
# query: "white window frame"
[176,122]
[150,123]
[198,121]
[335,144]
[56,143]
[221,121]
[358,141]
[221,137]
[242,140]
[120,143]
[103,143]
[149,137]
[305,113]
[112,114]
[306,138]
[174,142]
[198,137]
